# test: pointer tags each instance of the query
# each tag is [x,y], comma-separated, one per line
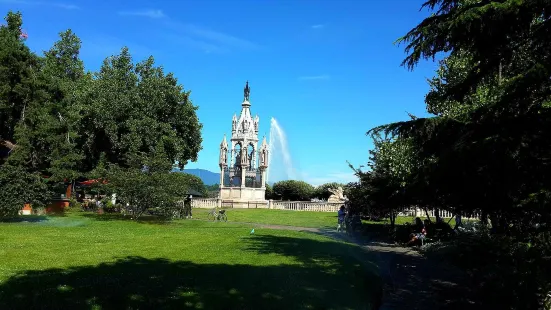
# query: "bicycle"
[220,216]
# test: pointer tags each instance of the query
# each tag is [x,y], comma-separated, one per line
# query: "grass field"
[277,217]
[98,262]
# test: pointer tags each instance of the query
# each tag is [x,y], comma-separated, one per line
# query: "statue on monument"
[238,159]
[263,158]
[337,195]
[247,91]
[244,157]
[251,159]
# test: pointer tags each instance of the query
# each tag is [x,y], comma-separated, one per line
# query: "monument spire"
[243,166]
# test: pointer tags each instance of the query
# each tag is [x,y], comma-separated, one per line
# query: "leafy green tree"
[493,101]
[18,78]
[144,189]
[18,187]
[381,191]
[488,147]
[47,137]
[293,190]
[192,182]
[63,123]
[134,110]
[269,192]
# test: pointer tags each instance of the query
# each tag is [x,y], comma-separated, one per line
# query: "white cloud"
[201,37]
[195,43]
[65,6]
[314,77]
[339,177]
[318,26]
[144,13]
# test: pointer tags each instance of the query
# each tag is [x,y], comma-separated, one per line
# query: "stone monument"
[243,166]
[337,195]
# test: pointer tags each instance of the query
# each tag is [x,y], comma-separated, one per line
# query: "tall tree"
[135,110]
[293,190]
[498,68]
[18,75]
[48,136]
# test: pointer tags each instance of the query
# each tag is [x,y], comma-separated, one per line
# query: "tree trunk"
[498,224]
[427,214]
[437,215]
[392,219]
[484,218]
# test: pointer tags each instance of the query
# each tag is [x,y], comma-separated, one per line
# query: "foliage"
[487,149]
[322,191]
[269,194]
[46,137]
[18,187]
[293,190]
[381,190]
[492,95]
[134,110]
[64,123]
[507,274]
[212,188]
[212,191]
[150,189]
[17,91]
[192,182]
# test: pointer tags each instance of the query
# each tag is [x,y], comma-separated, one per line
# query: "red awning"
[90,182]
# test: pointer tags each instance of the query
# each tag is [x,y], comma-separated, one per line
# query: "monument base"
[243,197]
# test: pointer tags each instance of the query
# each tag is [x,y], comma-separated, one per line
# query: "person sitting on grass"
[341,215]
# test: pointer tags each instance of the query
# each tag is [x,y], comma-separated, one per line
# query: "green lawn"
[277,217]
[97,262]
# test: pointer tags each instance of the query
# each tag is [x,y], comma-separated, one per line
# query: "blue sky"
[327,70]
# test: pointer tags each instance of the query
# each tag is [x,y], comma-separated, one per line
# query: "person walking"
[187,207]
[340,218]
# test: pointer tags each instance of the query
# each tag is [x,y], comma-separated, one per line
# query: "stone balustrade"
[211,203]
[418,212]
[205,203]
[305,206]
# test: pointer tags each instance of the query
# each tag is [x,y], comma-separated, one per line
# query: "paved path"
[412,281]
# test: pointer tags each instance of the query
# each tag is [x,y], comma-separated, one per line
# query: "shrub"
[510,273]
[74,204]
[17,187]
[293,190]
[157,191]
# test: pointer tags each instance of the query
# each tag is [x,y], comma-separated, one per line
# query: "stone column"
[221,177]
[243,175]
[263,177]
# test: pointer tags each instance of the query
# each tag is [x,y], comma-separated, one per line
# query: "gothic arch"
[251,154]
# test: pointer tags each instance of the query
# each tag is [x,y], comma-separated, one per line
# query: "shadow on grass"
[345,262]
[146,219]
[25,218]
[324,281]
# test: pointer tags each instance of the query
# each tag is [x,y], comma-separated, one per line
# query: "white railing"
[418,212]
[205,203]
[305,206]
[210,203]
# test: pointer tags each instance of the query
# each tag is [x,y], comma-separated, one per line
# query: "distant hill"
[208,177]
